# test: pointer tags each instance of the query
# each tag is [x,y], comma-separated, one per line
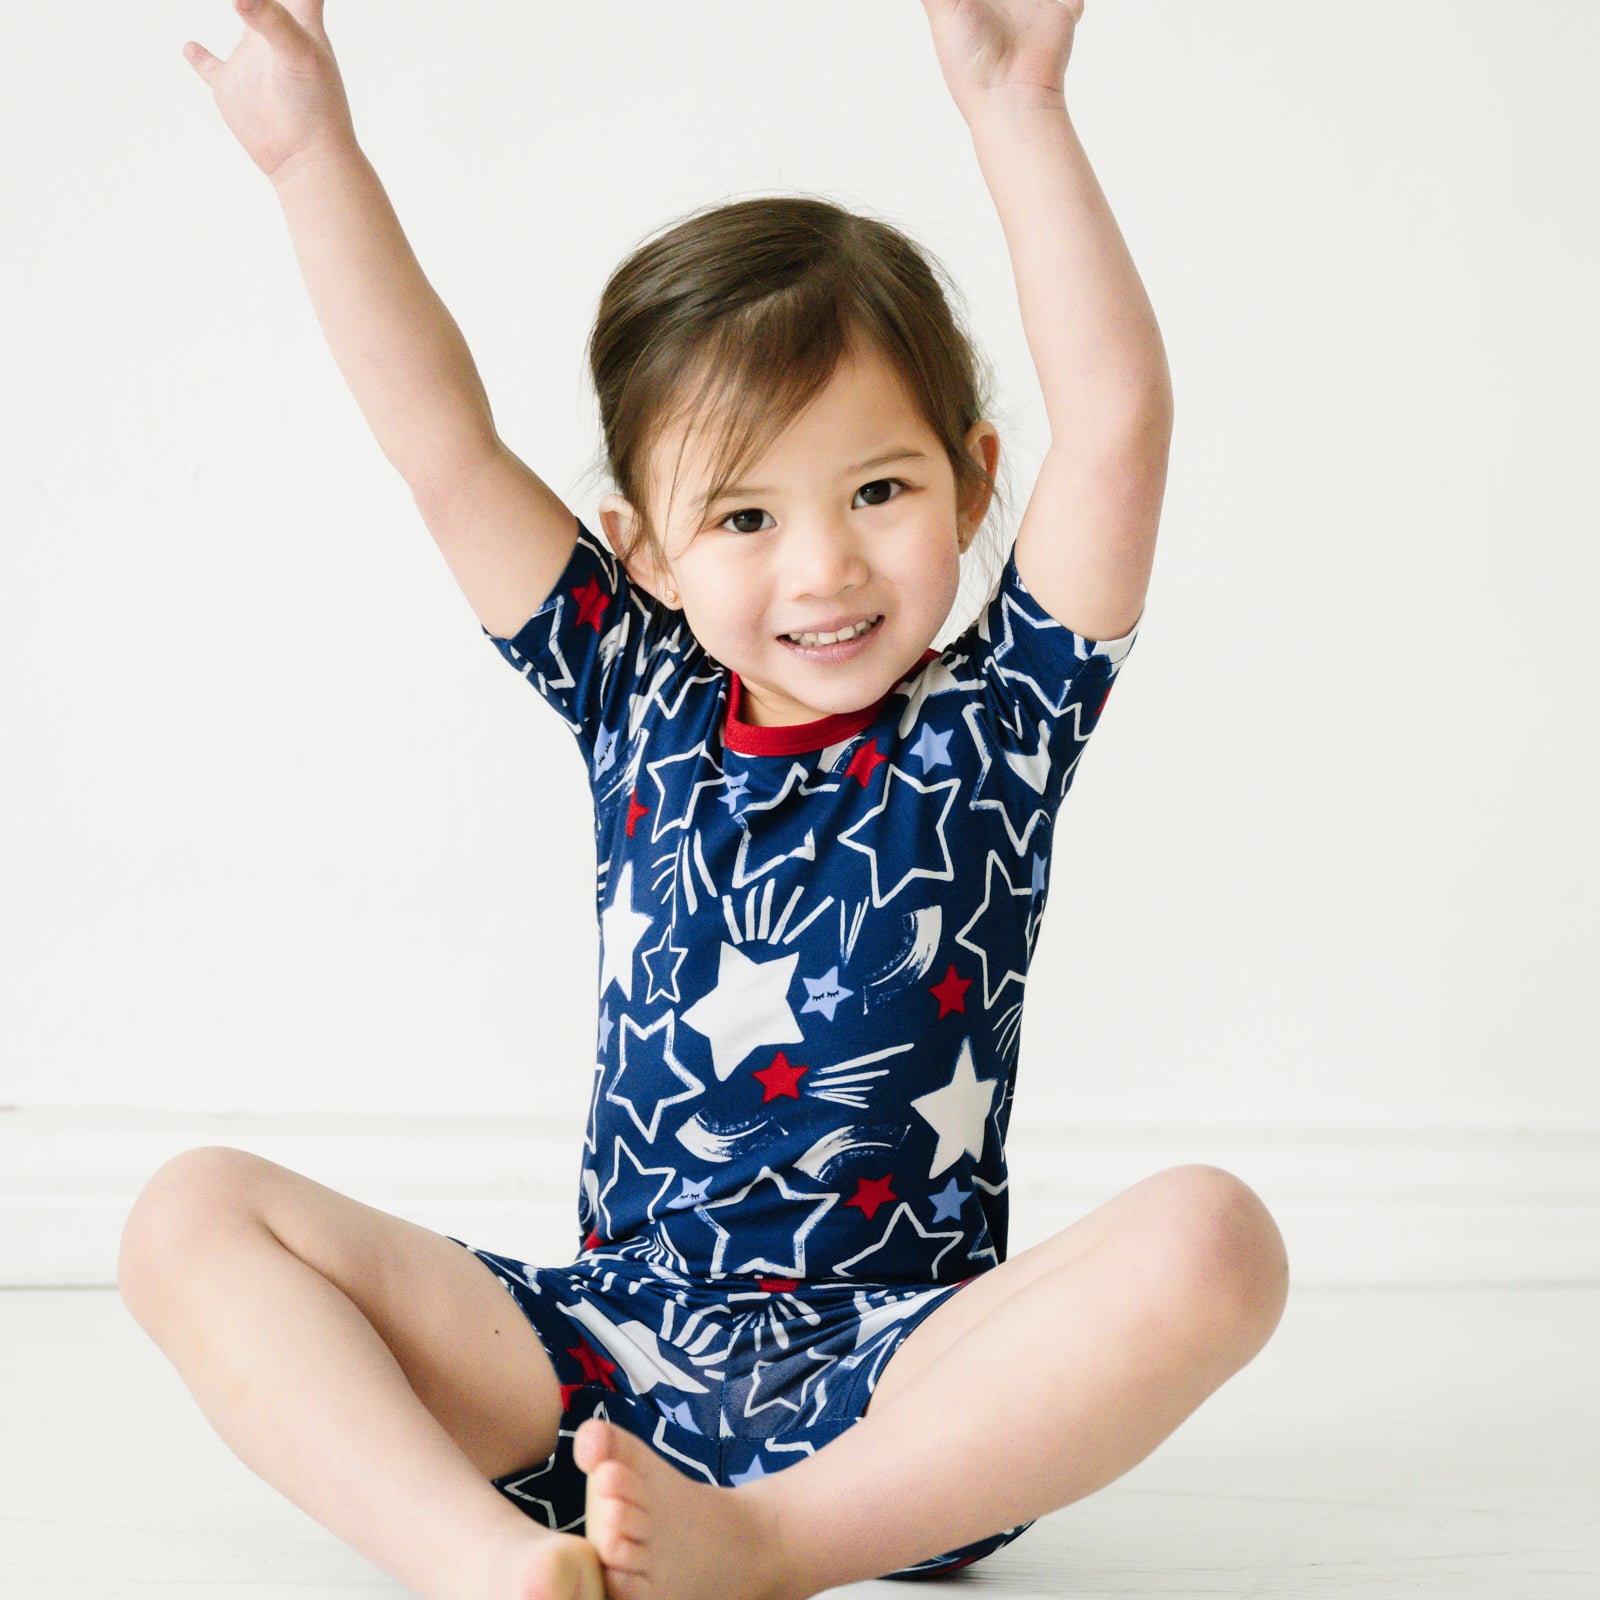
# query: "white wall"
[285,835]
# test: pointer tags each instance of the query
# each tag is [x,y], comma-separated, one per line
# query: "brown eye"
[882,483]
[753,511]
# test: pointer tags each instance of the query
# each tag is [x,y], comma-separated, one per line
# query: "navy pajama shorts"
[729,1382]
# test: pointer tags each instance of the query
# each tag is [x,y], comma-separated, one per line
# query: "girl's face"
[823,534]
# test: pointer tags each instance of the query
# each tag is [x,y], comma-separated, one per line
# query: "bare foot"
[661,1535]
[547,1566]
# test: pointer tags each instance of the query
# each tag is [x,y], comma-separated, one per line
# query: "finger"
[201,60]
[271,21]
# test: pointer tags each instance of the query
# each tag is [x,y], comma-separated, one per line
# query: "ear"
[620,521]
[983,444]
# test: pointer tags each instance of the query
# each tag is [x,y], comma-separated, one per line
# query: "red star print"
[593,1242]
[596,1369]
[1103,698]
[635,811]
[951,992]
[592,601]
[872,1193]
[780,1078]
[863,761]
[567,1392]
[779,1285]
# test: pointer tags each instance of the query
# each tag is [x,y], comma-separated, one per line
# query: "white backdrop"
[284,834]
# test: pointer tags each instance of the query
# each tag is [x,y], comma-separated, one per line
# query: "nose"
[824,558]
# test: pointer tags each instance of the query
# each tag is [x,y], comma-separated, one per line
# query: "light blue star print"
[736,786]
[605,750]
[1038,874]
[605,1026]
[682,1415]
[932,749]
[825,993]
[693,1194]
[947,1203]
[756,1471]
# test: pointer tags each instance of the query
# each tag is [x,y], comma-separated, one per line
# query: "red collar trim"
[796,738]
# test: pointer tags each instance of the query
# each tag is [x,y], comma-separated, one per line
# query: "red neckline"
[796,738]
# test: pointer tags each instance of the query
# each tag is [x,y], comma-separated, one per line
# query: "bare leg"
[1065,1386]
[301,1386]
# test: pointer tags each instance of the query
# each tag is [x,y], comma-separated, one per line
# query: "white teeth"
[810,639]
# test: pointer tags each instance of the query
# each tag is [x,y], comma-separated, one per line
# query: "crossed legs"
[1076,1360]
[379,1376]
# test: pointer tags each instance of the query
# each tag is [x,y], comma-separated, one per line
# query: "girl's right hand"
[280,91]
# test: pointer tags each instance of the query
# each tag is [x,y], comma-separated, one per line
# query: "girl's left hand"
[991,48]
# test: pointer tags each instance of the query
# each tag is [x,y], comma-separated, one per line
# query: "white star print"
[957,1112]
[747,1009]
[621,929]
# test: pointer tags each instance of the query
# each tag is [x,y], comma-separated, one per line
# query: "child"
[823,854]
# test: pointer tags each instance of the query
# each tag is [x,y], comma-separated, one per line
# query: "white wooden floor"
[1387,1442]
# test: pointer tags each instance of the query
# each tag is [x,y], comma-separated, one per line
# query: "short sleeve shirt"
[814,940]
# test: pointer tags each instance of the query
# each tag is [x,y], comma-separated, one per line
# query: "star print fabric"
[730,1382]
[813,939]
[814,942]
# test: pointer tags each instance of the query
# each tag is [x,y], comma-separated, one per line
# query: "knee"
[194,1191]
[1228,1249]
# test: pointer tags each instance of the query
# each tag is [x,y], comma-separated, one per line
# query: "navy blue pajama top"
[813,939]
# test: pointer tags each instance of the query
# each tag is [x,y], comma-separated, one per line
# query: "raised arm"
[504,534]
[1087,540]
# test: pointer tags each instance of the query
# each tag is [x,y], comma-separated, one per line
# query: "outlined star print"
[661,962]
[793,1204]
[915,1250]
[645,1068]
[632,1184]
[998,908]
[680,787]
[914,841]
[1017,806]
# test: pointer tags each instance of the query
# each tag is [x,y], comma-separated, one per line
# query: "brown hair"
[752,304]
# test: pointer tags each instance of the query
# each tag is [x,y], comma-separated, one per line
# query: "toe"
[597,1443]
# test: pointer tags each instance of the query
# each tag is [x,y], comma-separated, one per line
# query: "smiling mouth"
[809,641]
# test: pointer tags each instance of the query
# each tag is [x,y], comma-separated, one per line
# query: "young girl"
[791,1352]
